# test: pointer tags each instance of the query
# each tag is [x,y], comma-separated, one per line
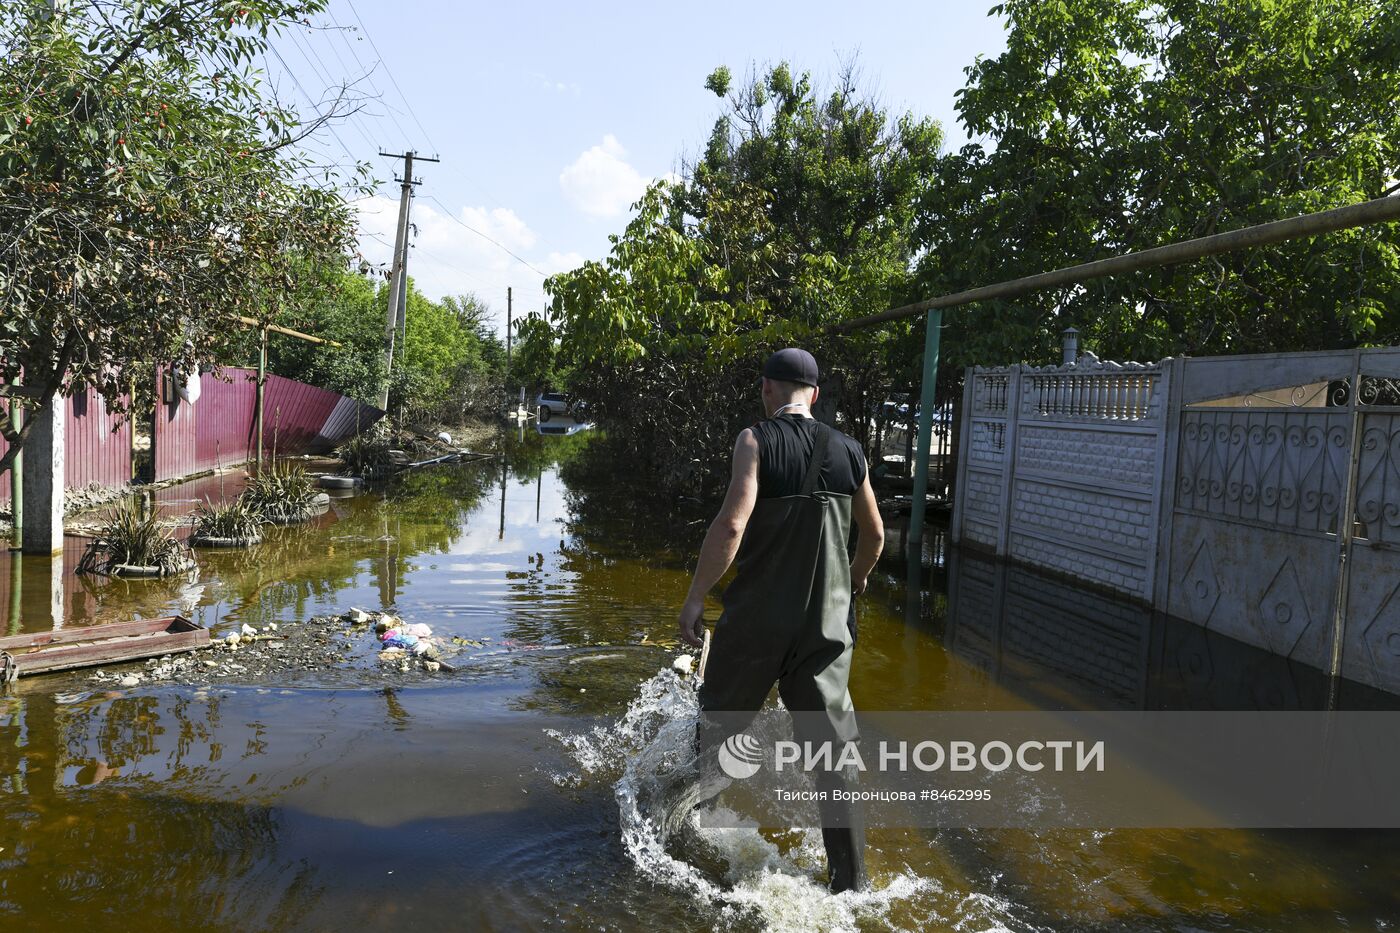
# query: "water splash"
[742,875]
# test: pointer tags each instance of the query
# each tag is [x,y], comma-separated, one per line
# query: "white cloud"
[547,83]
[601,182]
[562,262]
[448,259]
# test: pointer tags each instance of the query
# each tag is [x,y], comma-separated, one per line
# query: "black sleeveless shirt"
[785,447]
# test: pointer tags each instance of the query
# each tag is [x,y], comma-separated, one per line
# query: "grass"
[278,492]
[365,454]
[236,519]
[131,535]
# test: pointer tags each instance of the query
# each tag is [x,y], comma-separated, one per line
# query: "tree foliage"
[451,365]
[149,189]
[1110,126]
[797,215]
[350,312]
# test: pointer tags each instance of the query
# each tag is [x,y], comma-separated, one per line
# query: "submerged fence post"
[42,498]
[932,326]
[258,397]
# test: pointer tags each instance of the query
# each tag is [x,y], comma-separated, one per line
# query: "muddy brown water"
[484,799]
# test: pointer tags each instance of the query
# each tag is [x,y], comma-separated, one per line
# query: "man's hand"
[692,623]
[858,585]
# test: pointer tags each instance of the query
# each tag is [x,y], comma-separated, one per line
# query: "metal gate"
[1286,513]
[1371,609]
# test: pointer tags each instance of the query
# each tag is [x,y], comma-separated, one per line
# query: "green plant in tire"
[279,492]
[237,520]
[133,536]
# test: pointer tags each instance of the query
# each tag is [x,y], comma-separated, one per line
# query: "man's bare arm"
[870,537]
[722,540]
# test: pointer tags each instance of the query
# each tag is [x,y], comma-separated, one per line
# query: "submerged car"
[549,404]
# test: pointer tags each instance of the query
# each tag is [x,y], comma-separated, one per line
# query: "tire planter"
[143,570]
[330,481]
[213,541]
[318,506]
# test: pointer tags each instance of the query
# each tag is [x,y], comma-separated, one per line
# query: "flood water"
[489,798]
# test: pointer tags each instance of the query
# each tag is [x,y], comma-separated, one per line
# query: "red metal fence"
[96,445]
[219,429]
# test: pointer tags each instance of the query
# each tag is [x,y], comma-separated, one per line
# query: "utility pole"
[398,280]
[505,383]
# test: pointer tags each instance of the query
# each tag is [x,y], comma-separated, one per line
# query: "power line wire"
[462,223]
[314,106]
[390,109]
[323,72]
[388,71]
[369,76]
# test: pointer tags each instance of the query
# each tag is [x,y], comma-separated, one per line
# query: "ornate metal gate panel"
[1256,496]
[1285,529]
[1254,533]
[1371,609]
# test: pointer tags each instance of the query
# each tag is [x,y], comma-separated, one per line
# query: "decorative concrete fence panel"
[1064,467]
[1255,496]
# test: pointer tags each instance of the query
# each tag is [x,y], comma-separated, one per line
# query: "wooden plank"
[94,632]
[66,649]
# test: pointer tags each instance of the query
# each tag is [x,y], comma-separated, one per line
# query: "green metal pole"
[932,326]
[16,590]
[16,479]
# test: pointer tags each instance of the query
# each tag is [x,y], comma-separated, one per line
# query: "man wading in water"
[789,614]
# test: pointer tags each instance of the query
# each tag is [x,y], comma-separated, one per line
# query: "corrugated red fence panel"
[4,480]
[97,444]
[220,429]
[294,415]
[224,432]
[173,436]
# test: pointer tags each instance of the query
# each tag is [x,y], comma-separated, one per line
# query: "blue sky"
[550,118]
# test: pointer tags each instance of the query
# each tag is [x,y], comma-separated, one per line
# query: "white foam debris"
[778,886]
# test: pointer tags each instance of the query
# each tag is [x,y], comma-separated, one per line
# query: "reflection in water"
[1059,646]
[371,803]
[102,794]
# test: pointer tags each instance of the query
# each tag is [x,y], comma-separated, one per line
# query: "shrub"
[133,536]
[278,492]
[236,519]
[366,453]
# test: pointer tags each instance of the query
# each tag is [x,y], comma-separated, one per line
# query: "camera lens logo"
[740,756]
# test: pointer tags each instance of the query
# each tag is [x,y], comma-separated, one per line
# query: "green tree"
[797,215]
[534,363]
[149,189]
[1116,125]
[452,365]
[350,312]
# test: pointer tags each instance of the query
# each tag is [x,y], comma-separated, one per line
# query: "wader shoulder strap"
[814,468]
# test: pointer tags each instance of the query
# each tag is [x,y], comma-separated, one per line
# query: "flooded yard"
[347,796]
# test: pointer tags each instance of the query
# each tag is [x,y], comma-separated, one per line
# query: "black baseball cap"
[792,365]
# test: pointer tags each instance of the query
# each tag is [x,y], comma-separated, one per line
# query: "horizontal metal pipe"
[286,331]
[1379,210]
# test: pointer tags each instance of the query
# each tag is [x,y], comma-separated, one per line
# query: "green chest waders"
[787,620]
